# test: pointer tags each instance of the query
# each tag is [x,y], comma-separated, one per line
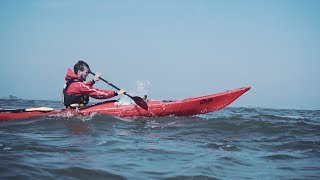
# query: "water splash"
[141,89]
[71,116]
[87,118]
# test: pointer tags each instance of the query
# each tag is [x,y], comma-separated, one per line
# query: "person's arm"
[90,83]
[95,92]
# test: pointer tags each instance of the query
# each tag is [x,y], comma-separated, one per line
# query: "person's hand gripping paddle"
[138,100]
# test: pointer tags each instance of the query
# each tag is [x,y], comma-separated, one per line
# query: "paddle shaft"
[138,100]
[111,85]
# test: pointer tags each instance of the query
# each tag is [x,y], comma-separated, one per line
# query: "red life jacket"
[74,100]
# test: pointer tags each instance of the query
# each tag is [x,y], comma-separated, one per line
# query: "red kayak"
[185,107]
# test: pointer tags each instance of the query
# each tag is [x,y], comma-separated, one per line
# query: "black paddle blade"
[140,102]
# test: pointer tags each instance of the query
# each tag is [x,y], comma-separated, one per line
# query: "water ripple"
[233,143]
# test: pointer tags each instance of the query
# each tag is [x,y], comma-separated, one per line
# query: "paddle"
[41,109]
[138,100]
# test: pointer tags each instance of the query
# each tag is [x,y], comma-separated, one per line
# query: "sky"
[179,48]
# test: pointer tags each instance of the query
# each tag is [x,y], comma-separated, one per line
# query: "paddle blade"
[140,102]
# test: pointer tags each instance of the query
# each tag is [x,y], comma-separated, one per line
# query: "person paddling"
[77,90]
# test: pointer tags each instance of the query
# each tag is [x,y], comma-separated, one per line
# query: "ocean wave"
[232,143]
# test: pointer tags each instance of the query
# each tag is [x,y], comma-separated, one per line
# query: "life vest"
[73,101]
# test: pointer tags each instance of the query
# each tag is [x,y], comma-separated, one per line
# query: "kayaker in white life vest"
[77,90]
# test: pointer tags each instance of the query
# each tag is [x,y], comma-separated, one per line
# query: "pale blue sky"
[183,48]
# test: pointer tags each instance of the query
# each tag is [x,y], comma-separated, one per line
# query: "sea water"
[233,143]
